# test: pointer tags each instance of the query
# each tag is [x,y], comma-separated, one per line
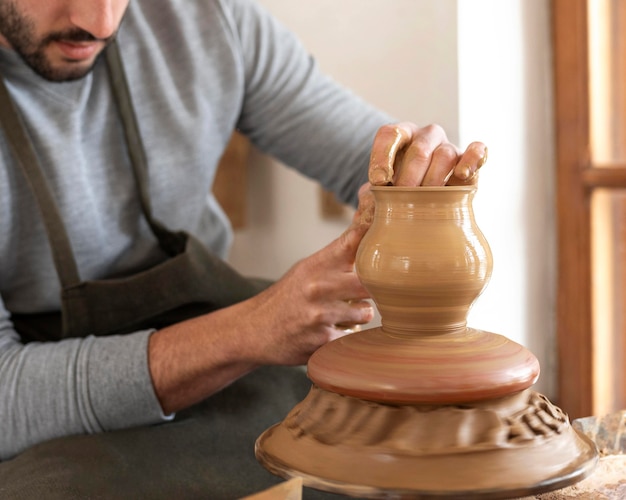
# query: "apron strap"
[25,156]
[172,243]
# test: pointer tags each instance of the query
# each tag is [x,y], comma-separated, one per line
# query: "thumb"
[350,239]
[364,214]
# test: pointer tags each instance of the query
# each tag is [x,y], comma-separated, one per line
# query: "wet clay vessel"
[424,406]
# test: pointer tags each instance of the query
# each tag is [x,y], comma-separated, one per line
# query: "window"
[590,98]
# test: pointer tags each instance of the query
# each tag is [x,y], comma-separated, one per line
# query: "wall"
[505,89]
[479,68]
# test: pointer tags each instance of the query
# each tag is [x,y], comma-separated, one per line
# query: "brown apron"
[207,452]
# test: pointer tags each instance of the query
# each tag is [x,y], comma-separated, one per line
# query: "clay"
[381,170]
[424,260]
[457,367]
[427,449]
[425,406]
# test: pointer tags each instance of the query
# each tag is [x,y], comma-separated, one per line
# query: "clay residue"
[514,445]
[332,418]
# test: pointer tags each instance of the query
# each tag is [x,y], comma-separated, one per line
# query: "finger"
[466,170]
[418,156]
[442,164]
[344,248]
[359,313]
[388,143]
[353,290]
[364,214]
[338,287]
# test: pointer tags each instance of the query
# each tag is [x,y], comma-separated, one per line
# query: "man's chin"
[62,71]
[76,73]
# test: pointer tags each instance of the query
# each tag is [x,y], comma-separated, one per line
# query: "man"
[106,165]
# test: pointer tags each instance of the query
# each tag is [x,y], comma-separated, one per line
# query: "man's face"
[60,39]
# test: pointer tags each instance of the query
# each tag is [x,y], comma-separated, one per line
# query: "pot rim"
[468,187]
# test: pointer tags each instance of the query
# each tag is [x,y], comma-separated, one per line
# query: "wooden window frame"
[576,178]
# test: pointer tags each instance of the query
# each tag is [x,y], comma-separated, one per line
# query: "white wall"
[505,88]
[480,69]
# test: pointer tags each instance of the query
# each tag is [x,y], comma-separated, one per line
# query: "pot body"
[424,260]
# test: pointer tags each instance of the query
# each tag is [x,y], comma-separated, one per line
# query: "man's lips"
[78,51]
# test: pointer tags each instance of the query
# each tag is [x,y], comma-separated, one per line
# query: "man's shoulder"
[189,19]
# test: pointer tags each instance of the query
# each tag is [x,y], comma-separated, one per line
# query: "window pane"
[607,80]
[608,231]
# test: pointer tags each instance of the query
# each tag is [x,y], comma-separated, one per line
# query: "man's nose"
[100,18]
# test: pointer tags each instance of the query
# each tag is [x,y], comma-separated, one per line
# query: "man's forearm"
[76,386]
[193,359]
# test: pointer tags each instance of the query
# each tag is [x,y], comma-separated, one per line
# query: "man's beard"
[19,31]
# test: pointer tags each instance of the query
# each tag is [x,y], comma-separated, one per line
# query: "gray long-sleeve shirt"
[197,69]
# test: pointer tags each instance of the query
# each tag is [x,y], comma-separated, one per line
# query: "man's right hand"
[283,325]
[300,311]
[404,154]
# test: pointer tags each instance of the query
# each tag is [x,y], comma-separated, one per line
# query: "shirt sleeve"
[74,386]
[297,114]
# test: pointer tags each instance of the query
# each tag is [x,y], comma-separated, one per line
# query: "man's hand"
[282,325]
[404,154]
[299,313]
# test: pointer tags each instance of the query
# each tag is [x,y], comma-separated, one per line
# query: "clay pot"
[424,260]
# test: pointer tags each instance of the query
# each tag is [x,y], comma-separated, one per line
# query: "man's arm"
[90,385]
[283,325]
[74,386]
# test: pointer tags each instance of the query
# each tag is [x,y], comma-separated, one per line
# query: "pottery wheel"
[460,367]
[424,407]
[510,446]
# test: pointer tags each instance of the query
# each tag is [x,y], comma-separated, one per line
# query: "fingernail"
[483,160]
